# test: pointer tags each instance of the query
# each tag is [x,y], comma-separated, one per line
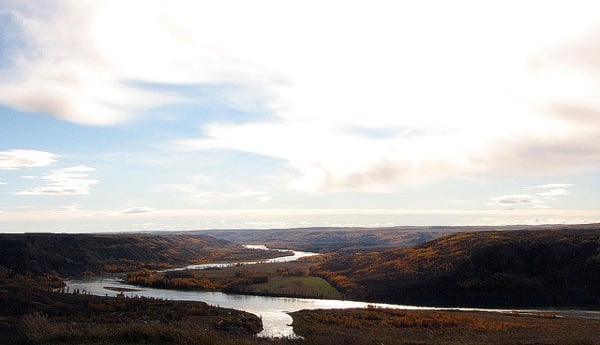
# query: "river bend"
[273,310]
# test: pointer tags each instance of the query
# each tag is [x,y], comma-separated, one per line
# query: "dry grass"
[388,326]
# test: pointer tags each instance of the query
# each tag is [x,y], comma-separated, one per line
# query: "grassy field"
[296,287]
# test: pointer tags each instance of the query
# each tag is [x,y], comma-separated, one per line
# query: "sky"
[180,115]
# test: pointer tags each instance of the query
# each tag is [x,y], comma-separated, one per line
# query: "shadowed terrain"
[526,268]
[550,266]
[74,254]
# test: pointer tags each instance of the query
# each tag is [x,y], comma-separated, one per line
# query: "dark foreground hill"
[527,268]
[72,254]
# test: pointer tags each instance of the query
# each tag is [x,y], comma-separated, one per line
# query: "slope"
[72,254]
[527,268]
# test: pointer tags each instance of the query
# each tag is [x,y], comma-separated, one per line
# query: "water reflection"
[295,256]
[273,310]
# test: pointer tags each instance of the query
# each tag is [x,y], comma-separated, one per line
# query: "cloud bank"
[538,196]
[16,159]
[68,181]
[432,93]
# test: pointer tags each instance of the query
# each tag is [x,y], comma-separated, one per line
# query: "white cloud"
[89,220]
[537,198]
[260,196]
[216,197]
[138,210]
[331,157]
[70,208]
[461,91]
[553,190]
[540,206]
[81,62]
[264,198]
[516,199]
[451,106]
[16,159]
[68,181]
[60,70]
[554,185]
[200,189]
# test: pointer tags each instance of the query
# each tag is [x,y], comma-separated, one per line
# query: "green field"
[296,287]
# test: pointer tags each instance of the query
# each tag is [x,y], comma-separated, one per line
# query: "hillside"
[32,313]
[526,268]
[73,254]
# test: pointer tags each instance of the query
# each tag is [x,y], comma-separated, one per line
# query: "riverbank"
[274,310]
[32,312]
[80,318]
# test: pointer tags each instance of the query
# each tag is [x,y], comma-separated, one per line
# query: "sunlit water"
[273,310]
[296,255]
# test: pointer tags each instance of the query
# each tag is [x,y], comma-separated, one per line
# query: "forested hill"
[72,254]
[526,268]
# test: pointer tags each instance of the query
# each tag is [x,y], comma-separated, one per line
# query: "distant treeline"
[326,239]
[353,239]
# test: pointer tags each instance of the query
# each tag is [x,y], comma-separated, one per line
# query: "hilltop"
[525,268]
[74,254]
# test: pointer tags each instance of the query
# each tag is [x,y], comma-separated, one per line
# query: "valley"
[433,273]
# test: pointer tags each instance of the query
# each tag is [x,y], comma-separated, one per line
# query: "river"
[273,310]
[295,256]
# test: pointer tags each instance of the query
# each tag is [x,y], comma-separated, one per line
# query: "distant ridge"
[326,239]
